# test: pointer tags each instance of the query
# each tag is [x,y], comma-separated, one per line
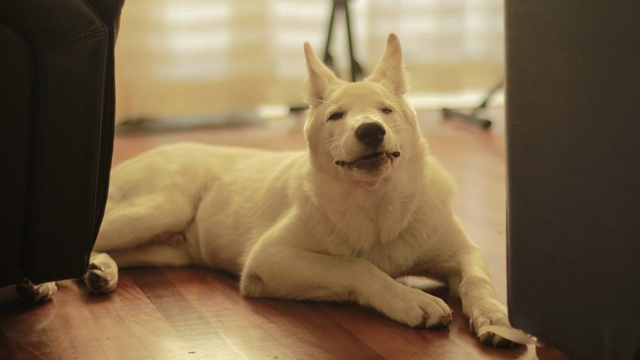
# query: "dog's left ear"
[390,70]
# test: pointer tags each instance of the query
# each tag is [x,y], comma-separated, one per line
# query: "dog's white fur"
[296,225]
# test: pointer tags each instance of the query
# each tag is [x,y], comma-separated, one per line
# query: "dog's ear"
[390,70]
[320,77]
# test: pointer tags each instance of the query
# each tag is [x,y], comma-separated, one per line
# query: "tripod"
[356,70]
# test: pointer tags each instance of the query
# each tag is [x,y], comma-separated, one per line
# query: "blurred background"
[186,58]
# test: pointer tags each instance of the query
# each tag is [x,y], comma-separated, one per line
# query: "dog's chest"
[388,241]
[386,215]
[397,255]
[366,225]
[394,238]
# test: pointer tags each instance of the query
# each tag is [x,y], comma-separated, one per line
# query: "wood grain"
[191,313]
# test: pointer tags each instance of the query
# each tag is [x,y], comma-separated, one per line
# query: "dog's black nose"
[370,134]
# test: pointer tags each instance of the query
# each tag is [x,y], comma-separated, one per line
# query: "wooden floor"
[188,313]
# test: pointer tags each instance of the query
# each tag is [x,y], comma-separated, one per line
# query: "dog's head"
[362,130]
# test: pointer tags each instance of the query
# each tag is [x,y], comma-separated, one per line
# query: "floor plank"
[218,301]
[190,313]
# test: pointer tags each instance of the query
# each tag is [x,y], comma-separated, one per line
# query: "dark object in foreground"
[573,175]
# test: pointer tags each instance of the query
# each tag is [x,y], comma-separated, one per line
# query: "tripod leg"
[485,102]
[356,69]
[328,59]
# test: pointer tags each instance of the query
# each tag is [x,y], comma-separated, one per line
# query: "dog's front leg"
[478,296]
[469,279]
[277,269]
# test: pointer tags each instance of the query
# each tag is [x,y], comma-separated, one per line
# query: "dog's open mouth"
[371,161]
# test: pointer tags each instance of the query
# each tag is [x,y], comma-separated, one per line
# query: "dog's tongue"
[372,156]
[371,161]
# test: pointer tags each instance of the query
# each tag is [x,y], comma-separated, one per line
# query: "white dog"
[367,203]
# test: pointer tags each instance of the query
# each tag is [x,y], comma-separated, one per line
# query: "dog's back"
[161,190]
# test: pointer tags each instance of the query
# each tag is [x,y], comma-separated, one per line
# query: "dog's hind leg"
[154,254]
[136,223]
[143,219]
[153,199]
[105,278]
[102,276]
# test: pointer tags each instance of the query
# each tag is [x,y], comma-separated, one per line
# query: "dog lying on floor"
[367,203]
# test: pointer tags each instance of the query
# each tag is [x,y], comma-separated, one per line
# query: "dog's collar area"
[371,156]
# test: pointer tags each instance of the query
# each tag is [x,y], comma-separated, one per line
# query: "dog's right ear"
[390,70]
[320,77]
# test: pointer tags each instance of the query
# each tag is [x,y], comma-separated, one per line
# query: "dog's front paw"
[102,276]
[418,309]
[32,293]
[490,313]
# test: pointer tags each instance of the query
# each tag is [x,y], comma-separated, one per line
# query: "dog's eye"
[386,110]
[335,116]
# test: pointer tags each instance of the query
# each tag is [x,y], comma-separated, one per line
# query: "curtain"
[198,57]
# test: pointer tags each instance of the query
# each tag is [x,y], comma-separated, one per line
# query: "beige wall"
[186,57]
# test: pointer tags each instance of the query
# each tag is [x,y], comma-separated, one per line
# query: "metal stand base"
[473,119]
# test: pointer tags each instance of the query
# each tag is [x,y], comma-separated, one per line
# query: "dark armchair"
[56,138]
